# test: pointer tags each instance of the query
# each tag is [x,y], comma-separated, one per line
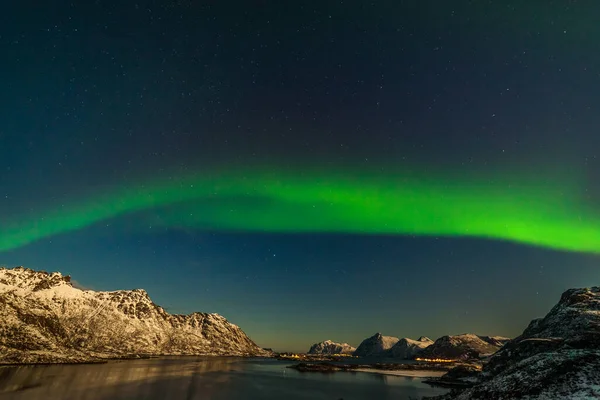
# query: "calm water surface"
[201,378]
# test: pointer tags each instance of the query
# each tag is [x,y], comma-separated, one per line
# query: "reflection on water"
[199,378]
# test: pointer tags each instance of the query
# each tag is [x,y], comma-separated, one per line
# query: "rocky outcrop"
[556,357]
[459,347]
[46,319]
[407,349]
[376,346]
[329,347]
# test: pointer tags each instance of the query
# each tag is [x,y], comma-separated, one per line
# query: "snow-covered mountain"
[45,319]
[329,347]
[556,357]
[463,346]
[498,341]
[406,348]
[376,346]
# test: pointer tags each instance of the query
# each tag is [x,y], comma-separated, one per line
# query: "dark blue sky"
[104,93]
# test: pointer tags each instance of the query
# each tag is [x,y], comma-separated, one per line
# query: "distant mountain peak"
[376,345]
[463,346]
[407,349]
[331,347]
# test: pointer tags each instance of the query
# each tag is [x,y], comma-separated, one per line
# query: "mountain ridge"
[331,347]
[407,348]
[377,345]
[47,319]
[463,346]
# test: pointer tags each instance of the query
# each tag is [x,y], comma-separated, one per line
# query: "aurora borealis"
[552,217]
[310,170]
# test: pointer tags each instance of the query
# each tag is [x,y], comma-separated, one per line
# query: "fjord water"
[191,378]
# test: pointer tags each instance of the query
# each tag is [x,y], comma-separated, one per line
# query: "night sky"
[311,170]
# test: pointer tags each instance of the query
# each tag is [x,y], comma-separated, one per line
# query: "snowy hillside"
[376,346]
[45,319]
[457,347]
[557,357]
[407,349]
[329,347]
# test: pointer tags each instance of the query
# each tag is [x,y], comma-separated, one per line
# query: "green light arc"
[548,215]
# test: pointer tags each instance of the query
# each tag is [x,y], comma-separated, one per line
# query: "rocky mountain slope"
[460,347]
[376,346]
[329,347]
[45,319]
[556,357]
[406,348]
[497,341]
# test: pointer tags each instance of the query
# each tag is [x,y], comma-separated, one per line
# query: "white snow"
[376,345]
[407,348]
[42,312]
[330,347]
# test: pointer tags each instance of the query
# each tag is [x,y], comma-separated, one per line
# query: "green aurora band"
[552,214]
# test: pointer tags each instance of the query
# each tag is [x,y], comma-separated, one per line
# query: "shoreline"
[423,373]
[105,360]
[432,372]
